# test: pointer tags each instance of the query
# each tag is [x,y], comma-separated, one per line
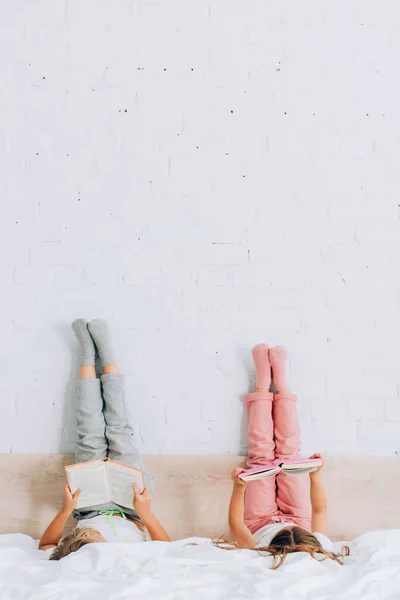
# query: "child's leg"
[91,426]
[92,443]
[260,495]
[119,430]
[293,496]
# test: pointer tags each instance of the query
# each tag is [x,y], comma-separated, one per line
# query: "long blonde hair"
[75,539]
[287,541]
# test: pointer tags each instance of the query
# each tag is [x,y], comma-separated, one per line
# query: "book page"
[301,468]
[120,479]
[91,479]
[299,471]
[259,473]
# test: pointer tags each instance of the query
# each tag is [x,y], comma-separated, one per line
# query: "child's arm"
[53,533]
[236,512]
[142,505]
[319,517]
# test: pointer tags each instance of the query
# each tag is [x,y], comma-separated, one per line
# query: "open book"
[295,466]
[102,481]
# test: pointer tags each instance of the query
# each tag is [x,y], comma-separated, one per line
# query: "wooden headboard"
[192,493]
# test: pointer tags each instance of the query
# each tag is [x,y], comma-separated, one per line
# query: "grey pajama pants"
[104,429]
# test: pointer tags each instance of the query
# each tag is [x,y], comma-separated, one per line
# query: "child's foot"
[263,367]
[102,338]
[278,358]
[79,327]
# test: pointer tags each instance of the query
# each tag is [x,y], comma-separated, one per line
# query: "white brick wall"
[205,175]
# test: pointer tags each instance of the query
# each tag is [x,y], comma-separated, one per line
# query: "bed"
[191,499]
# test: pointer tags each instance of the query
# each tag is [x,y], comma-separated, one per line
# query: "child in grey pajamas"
[104,430]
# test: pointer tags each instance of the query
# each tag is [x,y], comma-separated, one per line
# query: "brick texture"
[205,175]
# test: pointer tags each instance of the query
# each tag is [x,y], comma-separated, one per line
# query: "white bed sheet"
[178,571]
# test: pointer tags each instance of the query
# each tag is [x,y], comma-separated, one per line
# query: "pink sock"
[263,367]
[278,357]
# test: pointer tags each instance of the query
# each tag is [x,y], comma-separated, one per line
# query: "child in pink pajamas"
[278,514]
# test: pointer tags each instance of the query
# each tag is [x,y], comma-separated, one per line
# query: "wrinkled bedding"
[181,570]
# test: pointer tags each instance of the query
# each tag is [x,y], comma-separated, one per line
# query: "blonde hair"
[75,539]
[290,540]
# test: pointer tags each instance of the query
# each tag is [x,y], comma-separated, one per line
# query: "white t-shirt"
[116,529]
[264,535]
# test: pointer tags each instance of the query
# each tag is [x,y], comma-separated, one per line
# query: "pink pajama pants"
[274,432]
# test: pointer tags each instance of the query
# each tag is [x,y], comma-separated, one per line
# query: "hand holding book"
[70,500]
[320,457]
[237,480]
[141,500]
